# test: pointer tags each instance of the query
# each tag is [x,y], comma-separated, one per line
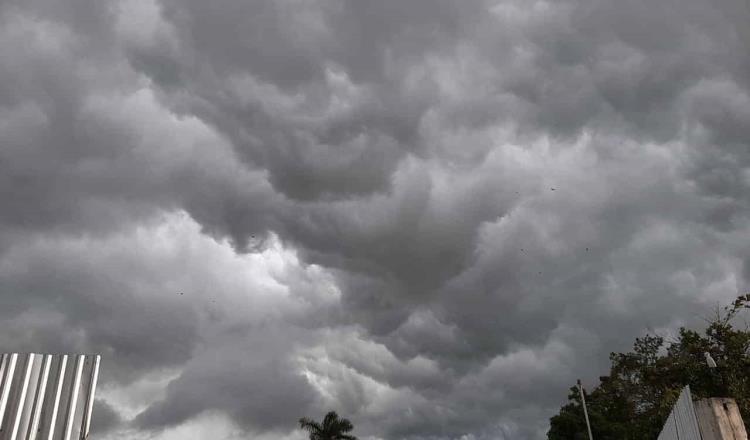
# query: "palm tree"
[332,428]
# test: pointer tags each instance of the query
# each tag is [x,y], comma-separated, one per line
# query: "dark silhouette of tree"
[332,428]
[635,399]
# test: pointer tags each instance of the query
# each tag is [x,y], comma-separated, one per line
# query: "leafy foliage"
[332,428]
[635,399]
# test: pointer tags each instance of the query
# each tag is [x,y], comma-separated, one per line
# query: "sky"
[431,216]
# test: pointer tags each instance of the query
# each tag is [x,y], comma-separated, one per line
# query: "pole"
[585,412]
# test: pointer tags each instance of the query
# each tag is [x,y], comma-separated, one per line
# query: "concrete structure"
[707,419]
[47,397]
[720,419]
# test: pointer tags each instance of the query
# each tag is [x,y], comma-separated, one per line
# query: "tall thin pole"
[585,412]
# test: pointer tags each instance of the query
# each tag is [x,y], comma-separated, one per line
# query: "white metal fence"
[46,397]
[682,423]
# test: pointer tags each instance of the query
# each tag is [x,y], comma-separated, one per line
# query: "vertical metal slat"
[3,370]
[90,401]
[58,392]
[73,397]
[7,382]
[39,399]
[3,366]
[22,396]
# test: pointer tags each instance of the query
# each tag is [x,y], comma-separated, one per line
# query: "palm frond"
[332,427]
[330,419]
[310,425]
[344,425]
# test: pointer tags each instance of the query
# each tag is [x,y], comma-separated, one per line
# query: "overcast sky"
[432,216]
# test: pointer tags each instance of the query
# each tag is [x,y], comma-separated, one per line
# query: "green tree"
[634,400]
[332,428]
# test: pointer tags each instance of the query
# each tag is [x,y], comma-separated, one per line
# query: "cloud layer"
[428,216]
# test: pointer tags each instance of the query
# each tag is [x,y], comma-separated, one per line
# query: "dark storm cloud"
[250,363]
[497,194]
[324,53]
[104,417]
[71,296]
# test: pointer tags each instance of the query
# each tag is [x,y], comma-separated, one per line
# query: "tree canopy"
[635,399]
[332,428]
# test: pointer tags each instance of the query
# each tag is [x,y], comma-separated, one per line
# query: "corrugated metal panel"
[47,397]
[669,432]
[682,424]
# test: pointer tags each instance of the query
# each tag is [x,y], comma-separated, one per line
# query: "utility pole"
[585,412]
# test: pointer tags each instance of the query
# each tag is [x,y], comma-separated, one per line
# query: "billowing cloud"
[430,216]
[104,417]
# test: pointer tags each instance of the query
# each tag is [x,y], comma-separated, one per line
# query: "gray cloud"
[104,417]
[246,375]
[438,200]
